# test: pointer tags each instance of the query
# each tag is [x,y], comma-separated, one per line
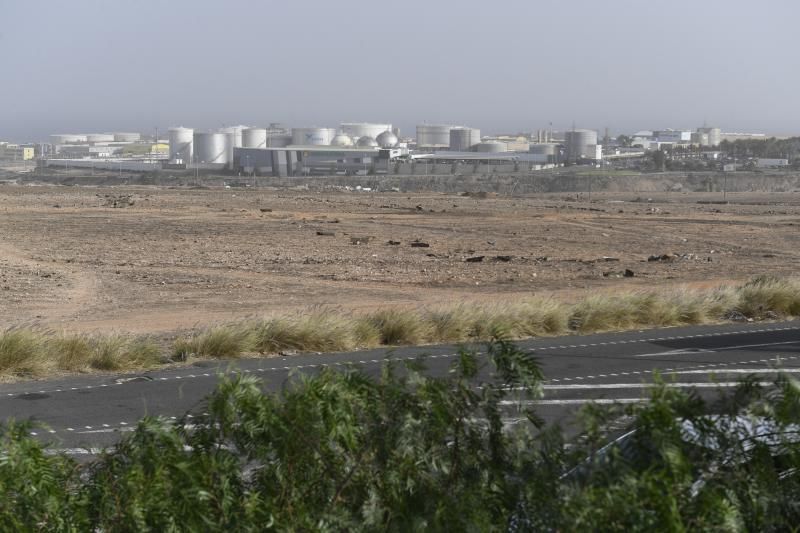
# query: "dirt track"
[177,258]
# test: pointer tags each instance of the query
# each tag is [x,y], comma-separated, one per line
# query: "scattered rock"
[326,233]
[628,273]
[393,243]
[360,240]
[265,210]
[503,258]
[420,244]
[475,259]
[735,316]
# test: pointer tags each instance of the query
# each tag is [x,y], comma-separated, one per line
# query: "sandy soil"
[152,260]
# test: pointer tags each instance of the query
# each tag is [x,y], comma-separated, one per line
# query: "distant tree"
[624,140]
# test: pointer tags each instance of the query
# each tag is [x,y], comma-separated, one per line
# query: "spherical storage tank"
[313,136]
[356,130]
[367,142]
[342,140]
[126,137]
[433,135]
[211,148]
[180,144]
[463,139]
[578,143]
[254,138]
[387,139]
[491,147]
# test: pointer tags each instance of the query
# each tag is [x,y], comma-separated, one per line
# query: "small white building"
[762,162]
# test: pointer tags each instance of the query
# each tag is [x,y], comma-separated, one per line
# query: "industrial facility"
[352,148]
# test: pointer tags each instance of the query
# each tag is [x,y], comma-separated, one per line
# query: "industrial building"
[581,145]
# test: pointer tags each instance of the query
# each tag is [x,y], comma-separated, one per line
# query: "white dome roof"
[366,141]
[387,139]
[342,140]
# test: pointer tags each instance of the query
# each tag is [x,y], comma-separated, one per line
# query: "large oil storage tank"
[356,130]
[254,138]
[67,138]
[544,149]
[387,139]
[313,136]
[367,142]
[433,135]
[714,135]
[99,137]
[126,137]
[463,139]
[181,144]
[278,140]
[342,140]
[211,148]
[491,147]
[580,144]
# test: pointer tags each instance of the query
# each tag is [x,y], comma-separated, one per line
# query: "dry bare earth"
[164,260]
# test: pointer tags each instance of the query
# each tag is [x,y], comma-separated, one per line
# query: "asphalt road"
[79,415]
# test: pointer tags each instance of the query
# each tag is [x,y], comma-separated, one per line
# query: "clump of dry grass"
[22,353]
[319,332]
[767,294]
[31,352]
[228,341]
[399,326]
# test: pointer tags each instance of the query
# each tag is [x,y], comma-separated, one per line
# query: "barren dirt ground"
[151,260]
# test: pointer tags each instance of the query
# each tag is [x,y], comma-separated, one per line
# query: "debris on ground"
[361,240]
[393,243]
[475,259]
[420,244]
[326,233]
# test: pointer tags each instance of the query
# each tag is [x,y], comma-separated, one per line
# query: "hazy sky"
[112,65]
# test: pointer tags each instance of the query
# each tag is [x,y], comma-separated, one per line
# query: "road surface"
[79,415]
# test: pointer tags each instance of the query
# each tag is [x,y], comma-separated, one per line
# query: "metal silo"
[580,144]
[180,144]
[714,135]
[433,135]
[313,136]
[211,148]
[491,147]
[544,149]
[254,138]
[463,139]
[356,130]
[126,137]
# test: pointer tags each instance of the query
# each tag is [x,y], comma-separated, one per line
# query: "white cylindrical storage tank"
[544,149]
[356,130]
[278,140]
[578,143]
[67,138]
[99,137]
[463,139]
[181,144]
[233,135]
[211,148]
[433,135]
[126,137]
[491,147]
[313,136]
[254,138]
[714,135]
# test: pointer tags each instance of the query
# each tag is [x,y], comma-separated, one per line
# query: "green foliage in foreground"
[407,452]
